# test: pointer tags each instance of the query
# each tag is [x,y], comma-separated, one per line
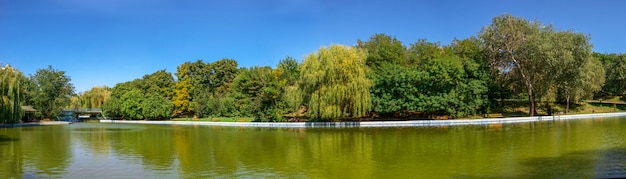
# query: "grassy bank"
[520,108]
[512,108]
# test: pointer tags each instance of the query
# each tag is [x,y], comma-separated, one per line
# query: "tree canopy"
[12,94]
[510,58]
[334,85]
[50,91]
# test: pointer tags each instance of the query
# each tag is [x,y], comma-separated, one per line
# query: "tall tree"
[334,84]
[259,90]
[514,46]
[182,95]
[579,74]
[12,94]
[51,91]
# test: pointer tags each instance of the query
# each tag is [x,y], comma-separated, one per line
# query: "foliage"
[510,58]
[94,98]
[12,94]
[289,70]
[156,107]
[615,75]
[141,98]
[519,48]
[112,107]
[382,49]
[423,50]
[182,91]
[440,86]
[334,85]
[50,91]
[259,90]
[131,104]
[579,74]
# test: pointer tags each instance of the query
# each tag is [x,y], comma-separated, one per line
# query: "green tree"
[156,107]
[579,74]
[259,91]
[334,85]
[423,50]
[382,49]
[132,104]
[112,107]
[616,76]
[289,69]
[221,74]
[517,48]
[12,94]
[159,83]
[51,91]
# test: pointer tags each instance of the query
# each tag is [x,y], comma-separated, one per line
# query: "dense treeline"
[512,58]
[48,91]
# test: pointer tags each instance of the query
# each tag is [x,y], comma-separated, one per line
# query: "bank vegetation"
[511,65]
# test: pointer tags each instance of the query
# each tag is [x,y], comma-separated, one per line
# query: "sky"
[105,42]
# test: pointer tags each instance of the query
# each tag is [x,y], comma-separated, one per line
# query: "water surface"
[564,149]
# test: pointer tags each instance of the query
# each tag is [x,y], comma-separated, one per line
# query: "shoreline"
[47,123]
[416,123]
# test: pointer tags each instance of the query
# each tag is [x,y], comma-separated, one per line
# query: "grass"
[218,119]
[512,108]
[519,109]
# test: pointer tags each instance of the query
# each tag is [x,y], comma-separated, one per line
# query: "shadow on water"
[607,163]
[4,139]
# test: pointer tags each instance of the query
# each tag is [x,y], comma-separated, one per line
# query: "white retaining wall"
[378,123]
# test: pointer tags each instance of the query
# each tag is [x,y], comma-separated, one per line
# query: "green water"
[562,149]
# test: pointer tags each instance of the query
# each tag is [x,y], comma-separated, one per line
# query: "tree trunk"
[567,105]
[531,99]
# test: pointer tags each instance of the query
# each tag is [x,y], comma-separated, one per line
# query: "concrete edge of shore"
[46,123]
[378,123]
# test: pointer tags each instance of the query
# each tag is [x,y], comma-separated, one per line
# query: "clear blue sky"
[104,42]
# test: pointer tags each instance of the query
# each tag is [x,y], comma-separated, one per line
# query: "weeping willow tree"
[11,94]
[333,84]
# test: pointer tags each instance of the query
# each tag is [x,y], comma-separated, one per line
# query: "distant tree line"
[377,78]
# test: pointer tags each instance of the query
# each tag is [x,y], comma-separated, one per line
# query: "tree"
[156,107]
[516,48]
[182,96]
[616,76]
[259,90]
[334,85]
[289,69]
[95,97]
[51,91]
[221,74]
[112,107]
[579,74]
[128,98]
[132,104]
[159,83]
[12,94]
[382,49]
[423,50]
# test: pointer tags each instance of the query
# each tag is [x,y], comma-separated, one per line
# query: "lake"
[579,148]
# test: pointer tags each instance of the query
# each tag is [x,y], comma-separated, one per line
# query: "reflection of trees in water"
[42,152]
[11,157]
[509,150]
[51,152]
